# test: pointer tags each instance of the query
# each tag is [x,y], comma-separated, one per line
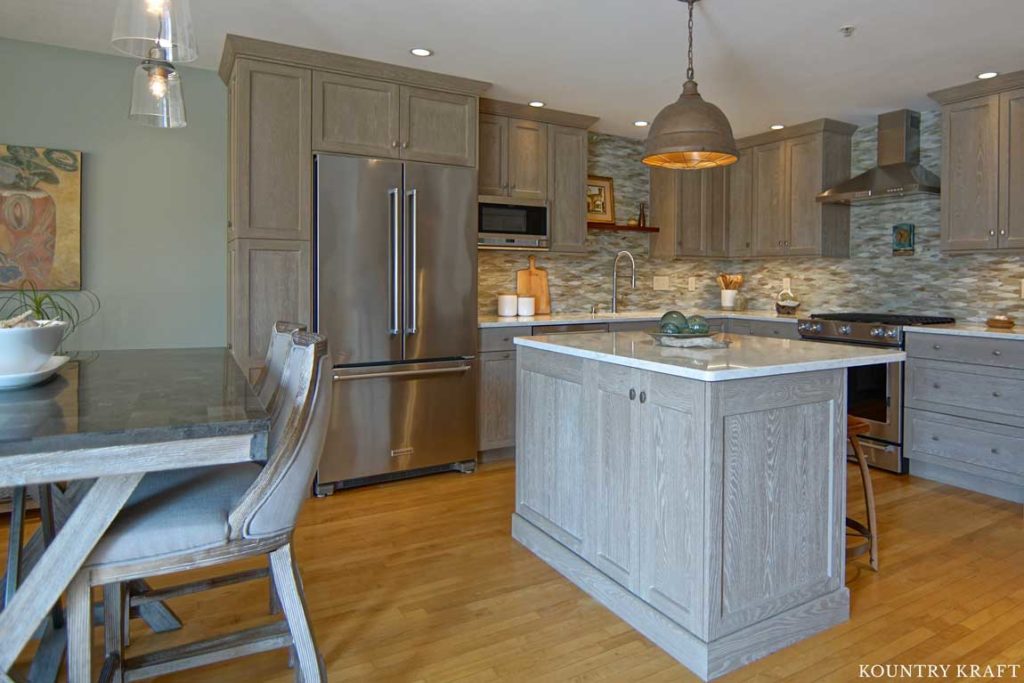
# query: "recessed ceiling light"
[536,103]
[985,75]
[777,126]
[641,124]
[421,52]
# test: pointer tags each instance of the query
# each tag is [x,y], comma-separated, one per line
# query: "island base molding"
[709,660]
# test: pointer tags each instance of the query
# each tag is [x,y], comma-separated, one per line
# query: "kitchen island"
[699,494]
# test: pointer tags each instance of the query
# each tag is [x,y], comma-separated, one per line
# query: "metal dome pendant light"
[690,134]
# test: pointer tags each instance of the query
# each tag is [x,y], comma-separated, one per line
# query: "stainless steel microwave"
[513,226]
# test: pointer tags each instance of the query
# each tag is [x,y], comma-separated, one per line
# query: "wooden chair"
[139,593]
[269,378]
[219,515]
[855,427]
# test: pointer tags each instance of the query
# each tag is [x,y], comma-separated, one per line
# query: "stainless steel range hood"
[899,171]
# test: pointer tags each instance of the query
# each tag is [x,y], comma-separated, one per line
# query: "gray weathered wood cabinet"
[983,164]
[965,412]
[284,104]
[537,156]
[765,204]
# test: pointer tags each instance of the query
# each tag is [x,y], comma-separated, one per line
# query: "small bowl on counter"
[25,349]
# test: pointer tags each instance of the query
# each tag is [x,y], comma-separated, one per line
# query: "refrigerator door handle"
[393,281]
[412,276]
[341,376]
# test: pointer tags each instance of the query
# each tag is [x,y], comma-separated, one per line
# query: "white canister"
[508,305]
[729,299]
[527,306]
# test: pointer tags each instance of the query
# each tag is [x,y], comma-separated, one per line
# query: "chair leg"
[114,609]
[275,601]
[289,589]
[869,501]
[79,625]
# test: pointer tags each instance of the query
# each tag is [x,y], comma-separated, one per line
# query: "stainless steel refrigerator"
[395,292]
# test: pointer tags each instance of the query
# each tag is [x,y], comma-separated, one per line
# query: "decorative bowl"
[26,349]
[690,340]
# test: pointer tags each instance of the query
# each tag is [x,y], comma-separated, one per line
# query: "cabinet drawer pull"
[937,347]
[991,233]
[935,385]
[995,394]
[995,451]
[506,356]
[632,394]
[405,145]
[505,339]
[643,397]
[394,143]
[934,438]
[997,352]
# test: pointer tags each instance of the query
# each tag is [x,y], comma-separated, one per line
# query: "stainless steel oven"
[513,226]
[874,392]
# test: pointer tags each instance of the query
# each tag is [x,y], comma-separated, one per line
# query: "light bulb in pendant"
[158,83]
[156,6]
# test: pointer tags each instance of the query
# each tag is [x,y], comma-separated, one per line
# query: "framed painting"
[903,239]
[40,218]
[600,199]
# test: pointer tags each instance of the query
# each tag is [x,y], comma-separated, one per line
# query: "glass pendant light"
[690,134]
[156,95]
[140,25]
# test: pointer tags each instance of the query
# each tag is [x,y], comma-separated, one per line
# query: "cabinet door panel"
[970,171]
[567,183]
[804,176]
[614,471]
[272,161]
[1011,170]
[672,499]
[716,210]
[438,126]
[769,199]
[493,172]
[270,281]
[497,400]
[551,456]
[355,115]
[741,198]
[664,210]
[691,236]
[527,159]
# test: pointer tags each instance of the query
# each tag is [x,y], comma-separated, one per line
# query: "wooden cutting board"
[533,281]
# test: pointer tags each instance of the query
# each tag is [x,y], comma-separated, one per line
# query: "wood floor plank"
[420,581]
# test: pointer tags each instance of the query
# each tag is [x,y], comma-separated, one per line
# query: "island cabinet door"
[613,516]
[777,466]
[551,445]
[671,499]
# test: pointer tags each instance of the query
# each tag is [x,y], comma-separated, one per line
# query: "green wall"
[153,201]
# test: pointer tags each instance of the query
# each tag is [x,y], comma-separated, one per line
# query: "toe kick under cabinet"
[965,412]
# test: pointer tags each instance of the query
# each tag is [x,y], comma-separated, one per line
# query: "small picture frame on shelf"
[600,199]
[903,239]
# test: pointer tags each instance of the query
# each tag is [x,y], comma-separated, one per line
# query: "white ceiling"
[761,61]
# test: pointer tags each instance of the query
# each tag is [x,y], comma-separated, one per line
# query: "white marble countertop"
[746,356]
[969,330]
[625,316]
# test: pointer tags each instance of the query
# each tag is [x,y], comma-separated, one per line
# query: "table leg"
[60,562]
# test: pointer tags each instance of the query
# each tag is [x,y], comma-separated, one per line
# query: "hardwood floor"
[420,581]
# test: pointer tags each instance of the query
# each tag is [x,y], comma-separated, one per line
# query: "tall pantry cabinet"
[284,105]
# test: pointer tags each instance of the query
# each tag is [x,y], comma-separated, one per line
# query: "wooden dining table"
[88,435]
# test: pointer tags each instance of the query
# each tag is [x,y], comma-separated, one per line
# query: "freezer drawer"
[395,418]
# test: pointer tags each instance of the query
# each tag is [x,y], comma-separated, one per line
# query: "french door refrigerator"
[395,292]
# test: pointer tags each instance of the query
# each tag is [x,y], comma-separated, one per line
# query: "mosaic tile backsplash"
[969,288]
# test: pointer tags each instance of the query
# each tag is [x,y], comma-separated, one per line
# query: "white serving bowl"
[25,349]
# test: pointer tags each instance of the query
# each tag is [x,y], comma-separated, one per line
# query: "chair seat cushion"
[175,512]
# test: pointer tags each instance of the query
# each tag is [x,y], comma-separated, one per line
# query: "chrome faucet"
[615,277]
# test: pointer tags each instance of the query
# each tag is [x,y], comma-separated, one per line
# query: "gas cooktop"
[884,318]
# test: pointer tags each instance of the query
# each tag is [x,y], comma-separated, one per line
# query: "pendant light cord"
[689,53]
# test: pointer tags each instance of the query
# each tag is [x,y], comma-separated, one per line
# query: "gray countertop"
[113,398]
[745,357]
[969,330]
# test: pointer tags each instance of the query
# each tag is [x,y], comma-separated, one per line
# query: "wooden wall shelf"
[620,228]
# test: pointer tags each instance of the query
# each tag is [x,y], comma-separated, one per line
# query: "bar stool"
[854,428]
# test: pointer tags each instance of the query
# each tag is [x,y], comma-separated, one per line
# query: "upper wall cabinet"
[983,164]
[539,157]
[763,205]
[270,172]
[374,118]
